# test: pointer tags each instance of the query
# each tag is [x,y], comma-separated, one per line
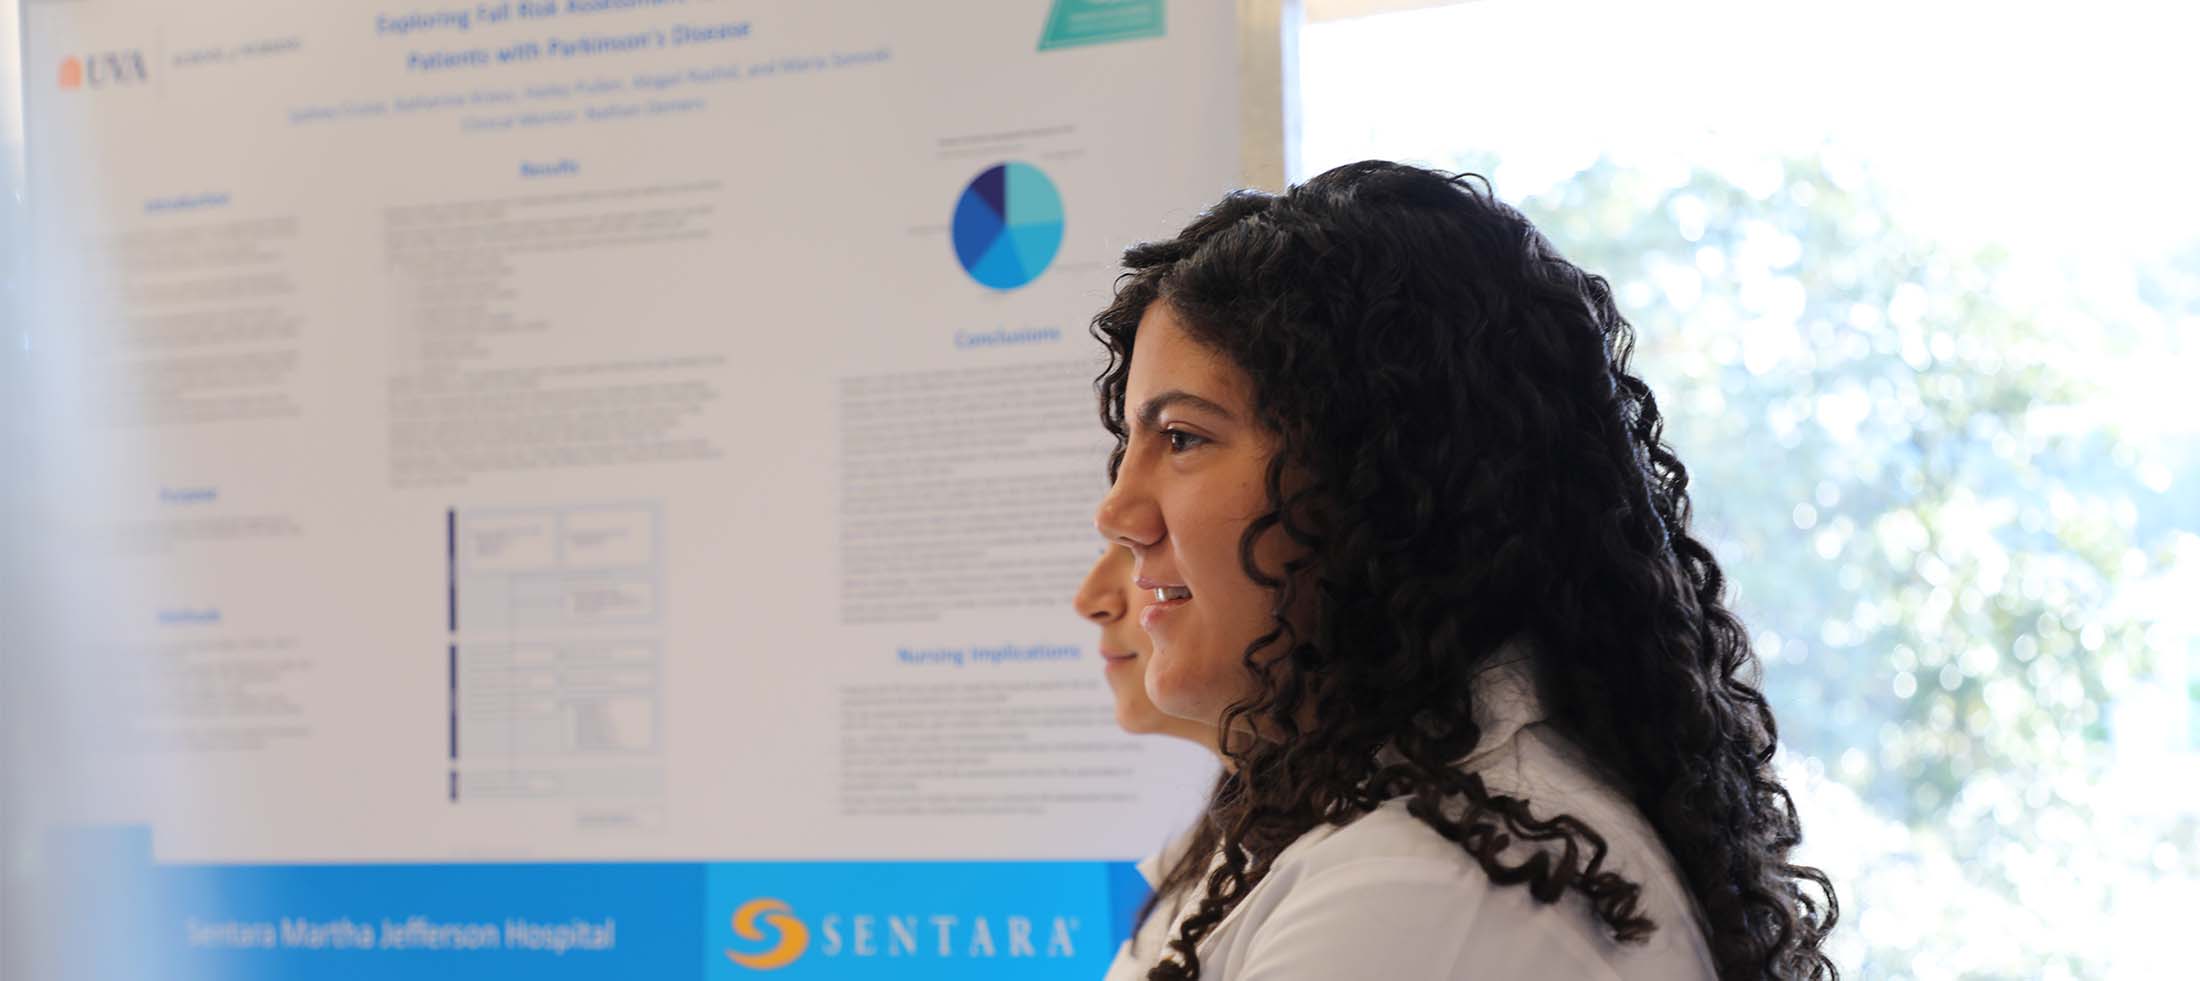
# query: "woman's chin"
[1136,723]
[1164,714]
[1168,693]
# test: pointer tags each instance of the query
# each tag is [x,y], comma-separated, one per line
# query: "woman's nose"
[1101,599]
[1127,516]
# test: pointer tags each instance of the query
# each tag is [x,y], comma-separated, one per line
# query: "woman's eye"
[1179,440]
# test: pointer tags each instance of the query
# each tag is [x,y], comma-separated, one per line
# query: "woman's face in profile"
[1109,598]
[1192,478]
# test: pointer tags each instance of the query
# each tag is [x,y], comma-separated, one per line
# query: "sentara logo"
[793,939]
[104,69]
[863,936]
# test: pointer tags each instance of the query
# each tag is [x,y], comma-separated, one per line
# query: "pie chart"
[1008,225]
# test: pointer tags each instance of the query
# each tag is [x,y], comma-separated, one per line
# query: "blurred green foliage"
[1901,456]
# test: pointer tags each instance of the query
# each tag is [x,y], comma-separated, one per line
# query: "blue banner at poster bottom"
[125,916]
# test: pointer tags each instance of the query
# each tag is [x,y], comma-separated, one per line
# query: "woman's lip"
[1155,611]
[1118,655]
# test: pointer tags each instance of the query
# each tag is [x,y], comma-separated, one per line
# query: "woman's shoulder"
[1387,834]
[1538,768]
[1389,853]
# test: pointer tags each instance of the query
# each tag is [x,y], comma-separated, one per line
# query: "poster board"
[526,489]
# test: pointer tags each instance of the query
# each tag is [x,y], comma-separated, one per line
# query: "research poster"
[592,488]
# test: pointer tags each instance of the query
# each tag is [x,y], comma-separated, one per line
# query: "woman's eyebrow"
[1149,413]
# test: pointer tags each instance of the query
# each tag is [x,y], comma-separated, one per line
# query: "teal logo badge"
[1075,23]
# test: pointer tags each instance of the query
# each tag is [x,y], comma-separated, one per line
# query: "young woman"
[1111,599]
[1418,550]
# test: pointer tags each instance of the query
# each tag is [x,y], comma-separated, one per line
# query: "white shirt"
[1136,956]
[1387,897]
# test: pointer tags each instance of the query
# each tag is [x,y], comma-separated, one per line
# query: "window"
[1918,285]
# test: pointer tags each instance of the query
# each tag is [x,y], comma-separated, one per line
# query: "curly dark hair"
[1464,458]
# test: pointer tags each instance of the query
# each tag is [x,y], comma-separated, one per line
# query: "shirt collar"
[1505,699]
[1505,702]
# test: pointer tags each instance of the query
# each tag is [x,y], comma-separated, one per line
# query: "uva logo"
[867,935]
[105,69]
[794,938]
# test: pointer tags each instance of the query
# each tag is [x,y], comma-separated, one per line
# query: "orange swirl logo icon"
[72,72]
[794,938]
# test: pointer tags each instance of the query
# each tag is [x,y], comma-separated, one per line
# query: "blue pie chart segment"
[998,266]
[1035,245]
[1032,199]
[977,225]
[1008,225]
